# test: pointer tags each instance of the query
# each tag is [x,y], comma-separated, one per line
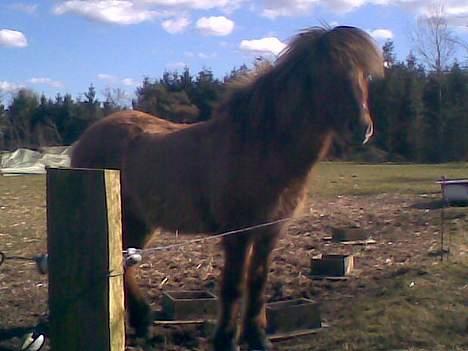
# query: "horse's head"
[336,67]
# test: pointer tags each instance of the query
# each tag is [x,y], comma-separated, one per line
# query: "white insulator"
[133,259]
[132,251]
[32,342]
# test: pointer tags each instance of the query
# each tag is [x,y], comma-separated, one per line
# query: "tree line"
[421,114]
[31,120]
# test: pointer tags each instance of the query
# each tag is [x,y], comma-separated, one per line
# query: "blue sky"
[63,46]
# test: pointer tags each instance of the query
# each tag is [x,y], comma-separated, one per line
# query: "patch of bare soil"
[406,232]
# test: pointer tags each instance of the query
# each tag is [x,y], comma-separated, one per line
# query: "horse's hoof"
[141,322]
[266,346]
[258,342]
[224,342]
[142,333]
[226,347]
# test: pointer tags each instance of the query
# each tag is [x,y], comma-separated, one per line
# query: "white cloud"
[268,45]
[455,13]
[455,10]
[122,12]
[215,25]
[277,8]
[205,56]
[138,11]
[175,25]
[381,34]
[224,5]
[176,66]
[115,80]
[8,87]
[202,55]
[129,82]
[46,81]
[12,38]
[107,77]
[26,8]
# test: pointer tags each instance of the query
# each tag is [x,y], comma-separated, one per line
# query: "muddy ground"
[406,229]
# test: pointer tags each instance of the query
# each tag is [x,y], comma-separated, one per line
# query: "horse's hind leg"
[235,251]
[135,234]
[254,315]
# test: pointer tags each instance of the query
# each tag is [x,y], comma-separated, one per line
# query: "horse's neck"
[297,158]
[280,160]
[277,126]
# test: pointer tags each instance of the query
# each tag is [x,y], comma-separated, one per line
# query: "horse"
[247,165]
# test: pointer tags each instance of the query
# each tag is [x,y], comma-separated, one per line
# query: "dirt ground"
[406,229]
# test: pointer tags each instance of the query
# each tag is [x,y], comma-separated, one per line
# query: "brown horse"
[245,166]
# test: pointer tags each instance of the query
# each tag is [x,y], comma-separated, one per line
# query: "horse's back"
[103,145]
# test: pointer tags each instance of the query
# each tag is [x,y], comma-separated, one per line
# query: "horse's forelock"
[358,47]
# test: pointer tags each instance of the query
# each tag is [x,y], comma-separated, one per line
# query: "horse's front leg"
[235,251]
[254,315]
[139,312]
[135,234]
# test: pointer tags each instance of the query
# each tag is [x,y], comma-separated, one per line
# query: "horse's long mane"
[274,96]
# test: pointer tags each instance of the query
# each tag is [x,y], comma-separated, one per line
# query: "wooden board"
[296,334]
[354,242]
[85,260]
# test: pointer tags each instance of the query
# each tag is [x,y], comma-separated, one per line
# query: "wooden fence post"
[86,299]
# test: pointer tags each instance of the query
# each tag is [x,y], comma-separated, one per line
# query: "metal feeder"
[332,265]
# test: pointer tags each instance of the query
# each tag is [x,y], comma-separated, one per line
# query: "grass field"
[346,178]
[401,298]
[394,314]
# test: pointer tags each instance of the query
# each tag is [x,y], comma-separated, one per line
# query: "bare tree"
[116,97]
[435,43]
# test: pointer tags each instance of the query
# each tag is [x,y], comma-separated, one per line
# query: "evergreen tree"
[21,113]
[456,114]
[433,122]
[206,93]
[419,116]
[158,99]
[388,51]
[4,127]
